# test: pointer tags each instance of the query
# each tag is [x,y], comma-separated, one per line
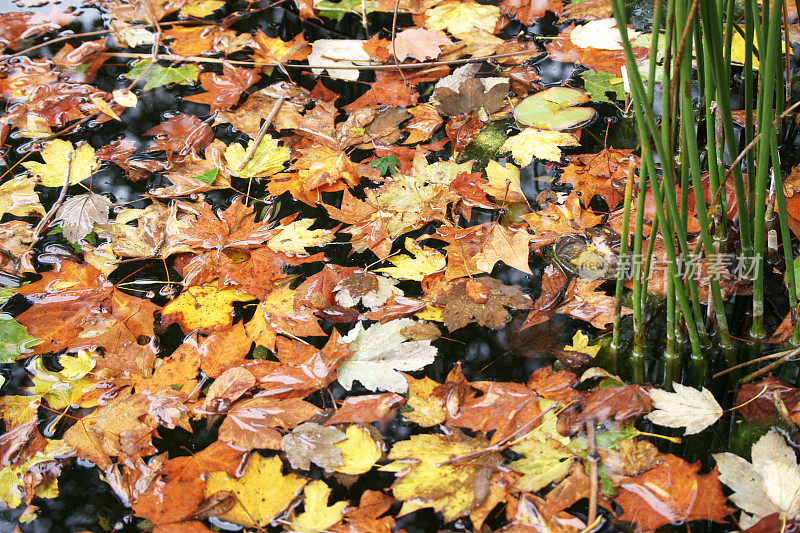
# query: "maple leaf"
[686,407]
[18,198]
[223,92]
[503,407]
[18,27]
[338,53]
[204,308]
[53,171]
[379,352]
[251,423]
[261,493]
[79,213]
[584,302]
[601,34]
[541,144]
[360,451]
[476,250]
[181,135]
[619,403]
[72,297]
[422,262]
[528,12]
[603,174]
[419,44]
[294,237]
[317,514]
[157,76]
[273,51]
[367,408]
[310,442]
[461,17]
[20,483]
[460,308]
[556,220]
[504,183]
[672,492]
[424,482]
[366,288]
[234,227]
[610,61]
[278,313]
[546,457]
[767,485]
[421,127]
[267,159]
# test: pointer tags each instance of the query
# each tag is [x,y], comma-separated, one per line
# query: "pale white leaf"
[771,484]
[379,352]
[686,407]
[603,34]
[80,213]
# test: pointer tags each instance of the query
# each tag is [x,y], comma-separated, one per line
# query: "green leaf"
[208,176]
[158,76]
[14,339]
[598,84]
[337,10]
[387,164]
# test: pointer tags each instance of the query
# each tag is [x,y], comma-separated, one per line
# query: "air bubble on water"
[150,294]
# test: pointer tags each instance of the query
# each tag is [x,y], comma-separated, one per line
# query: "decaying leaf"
[686,407]
[80,213]
[379,351]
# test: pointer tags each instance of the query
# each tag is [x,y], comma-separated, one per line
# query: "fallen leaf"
[379,352]
[52,173]
[459,309]
[672,492]
[419,44]
[359,450]
[767,485]
[453,489]
[253,423]
[685,408]
[80,213]
[262,492]
[541,144]
[317,514]
[204,308]
[309,442]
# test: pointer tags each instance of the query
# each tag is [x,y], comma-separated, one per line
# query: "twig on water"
[263,130]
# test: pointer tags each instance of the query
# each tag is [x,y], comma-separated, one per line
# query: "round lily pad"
[555,109]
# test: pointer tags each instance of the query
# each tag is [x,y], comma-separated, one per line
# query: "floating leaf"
[379,352]
[14,339]
[80,213]
[686,407]
[268,158]
[552,109]
[158,76]
[54,169]
[541,144]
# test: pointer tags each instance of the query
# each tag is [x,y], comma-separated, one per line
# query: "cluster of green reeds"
[690,61]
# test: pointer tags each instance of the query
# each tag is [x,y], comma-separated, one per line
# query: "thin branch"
[593,458]
[394,46]
[410,66]
[46,219]
[769,367]
[264,127]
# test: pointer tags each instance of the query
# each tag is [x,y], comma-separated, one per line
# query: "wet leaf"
[52,173]
[14,339]
[155,75]
[310,442]
[18,198]
[541,144]
[379,352]
[267,159]
[769,484]
[672,492]
[204,308]
[317,514]
[686,407]
[80,213]
[459,309]
[453,489]
[359,450]
[253,423]
[461,17]
[261,493]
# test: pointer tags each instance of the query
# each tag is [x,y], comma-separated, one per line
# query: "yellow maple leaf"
[201,8]
[504,184]
[52,172]
[204,308]
[18,198]
[293,238]
[268,158]
[580,343]
[542,144]
[261,493]
[462,17]
[426,410]
[452,489]
[359,451]
[422,262]
[318,514]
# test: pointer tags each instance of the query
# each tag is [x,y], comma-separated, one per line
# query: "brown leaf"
[554,281]
[476,249]
[425,121]
[180,136]
[504,408]
[584,302]
[367,409]
[672,492]
[419,43]
[252,423]
[223,92]
[460,309]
